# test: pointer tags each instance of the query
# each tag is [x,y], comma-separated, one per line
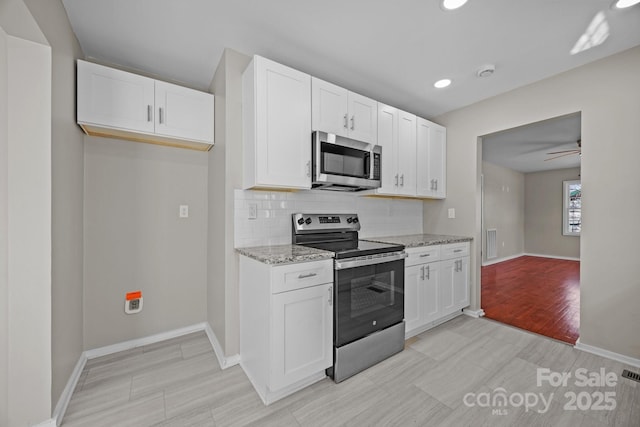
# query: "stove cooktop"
[351,249]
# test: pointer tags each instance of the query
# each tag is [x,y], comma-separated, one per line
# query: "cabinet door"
[461,284]
[329,110]
[283,126]
[424,185]
[447,285]
[114,98]
[407,153]
[438,160]
[413,283]
[363,118]
[431,292]
[388,140]
[302,334]
[183,113]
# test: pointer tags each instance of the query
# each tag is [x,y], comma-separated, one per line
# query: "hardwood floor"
[540,295]
[436,381]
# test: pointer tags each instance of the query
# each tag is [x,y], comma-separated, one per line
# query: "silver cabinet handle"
[424,255]
[309,168]
[422,273]
[306,276]
[149,110]
[345,120]
[160,115]
[428,270]
[353,122]
[330,300]
[402,180]
[432,185]
[435,181]
[457,250]
[396,180]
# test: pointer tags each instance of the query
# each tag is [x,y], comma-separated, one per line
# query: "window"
[572,208]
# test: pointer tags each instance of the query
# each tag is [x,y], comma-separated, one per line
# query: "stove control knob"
[300,221]
[349,220]
[355,220]
[307,221]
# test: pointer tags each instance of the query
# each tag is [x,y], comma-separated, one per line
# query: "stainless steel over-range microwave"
[343,164]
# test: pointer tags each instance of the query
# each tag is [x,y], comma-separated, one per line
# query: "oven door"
[368,298]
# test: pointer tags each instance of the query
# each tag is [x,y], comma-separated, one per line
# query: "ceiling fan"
[566,152]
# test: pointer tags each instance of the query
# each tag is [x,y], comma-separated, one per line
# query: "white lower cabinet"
[286,325]
[436,285]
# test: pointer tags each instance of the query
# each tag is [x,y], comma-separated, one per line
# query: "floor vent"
[492,245]
[631,375]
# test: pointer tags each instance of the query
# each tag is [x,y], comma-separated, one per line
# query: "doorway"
[530,266]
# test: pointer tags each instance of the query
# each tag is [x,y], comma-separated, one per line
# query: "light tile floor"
[466,372]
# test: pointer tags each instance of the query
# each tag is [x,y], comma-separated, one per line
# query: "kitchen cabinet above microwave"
[341,112]
[276,124]
[119,104]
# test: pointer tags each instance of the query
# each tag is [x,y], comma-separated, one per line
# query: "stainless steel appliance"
[343,164]
[368,323]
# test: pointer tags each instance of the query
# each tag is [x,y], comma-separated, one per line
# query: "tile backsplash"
[378,217]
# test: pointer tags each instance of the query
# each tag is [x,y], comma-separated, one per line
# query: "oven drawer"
[454,250]
[422,255]
[301,275]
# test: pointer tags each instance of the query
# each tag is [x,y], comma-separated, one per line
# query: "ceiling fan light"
[452,4]
[623,4]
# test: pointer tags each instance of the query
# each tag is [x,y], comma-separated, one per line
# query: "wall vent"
[492,244]
[631,375]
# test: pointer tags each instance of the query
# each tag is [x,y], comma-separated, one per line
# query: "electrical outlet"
[184,211]
[133,302]
[452,212]
[253,210]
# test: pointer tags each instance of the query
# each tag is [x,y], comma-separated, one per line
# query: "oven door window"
[368,299]
[344,161]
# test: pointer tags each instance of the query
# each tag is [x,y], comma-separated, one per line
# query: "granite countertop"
[284,254]
[417,240]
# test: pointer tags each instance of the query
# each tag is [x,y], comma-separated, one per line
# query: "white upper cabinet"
[276,126]
[431,159]
[397,136]
[339,111]
[119,104]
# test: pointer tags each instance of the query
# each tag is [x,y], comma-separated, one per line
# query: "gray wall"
[543,214]
[25,221]
[67,162]
[134,239]
[605,92]
[225,175]
[504,209]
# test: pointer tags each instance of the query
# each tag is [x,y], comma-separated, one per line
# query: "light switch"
[184,211]
[452,212]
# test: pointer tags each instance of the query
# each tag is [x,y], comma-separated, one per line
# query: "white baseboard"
[552,256]
[65,397]
[224,361]
[497,260]
[608,354]
[48,423]
[473,313]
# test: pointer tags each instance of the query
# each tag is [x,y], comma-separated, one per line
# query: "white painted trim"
[606,353]
[139,342]
[473,313]
[431,325]
[495,261]
[48,423]
[224,361]
[65,397]
[553,256]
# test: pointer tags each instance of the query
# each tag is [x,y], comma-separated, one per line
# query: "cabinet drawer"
[422,255]
[454,250]
[297,276]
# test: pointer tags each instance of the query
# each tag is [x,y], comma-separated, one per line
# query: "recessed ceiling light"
[442,83]
[454,4]
[622,4]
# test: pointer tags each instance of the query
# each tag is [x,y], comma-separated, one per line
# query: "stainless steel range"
[368,323]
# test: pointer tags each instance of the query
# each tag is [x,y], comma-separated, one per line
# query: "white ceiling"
[525,148]
[391,51]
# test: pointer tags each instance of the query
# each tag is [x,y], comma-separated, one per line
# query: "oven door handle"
[369,260]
